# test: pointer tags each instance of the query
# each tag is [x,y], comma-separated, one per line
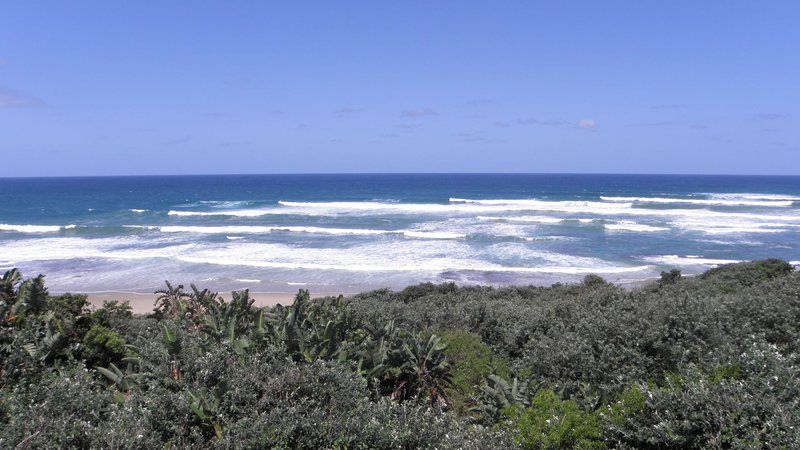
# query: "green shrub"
[471,361]
[732,277]
[670,277]
[112,314]
[553,423]
[102,346]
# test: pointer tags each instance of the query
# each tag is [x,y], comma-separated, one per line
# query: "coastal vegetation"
[681,362]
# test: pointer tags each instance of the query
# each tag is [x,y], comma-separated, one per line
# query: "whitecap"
[65,248]
[752,196]
[235,212]
[530,219]
[33,228]
[254,229]
[693,260]
[632,226]
[696,201]
[396,257]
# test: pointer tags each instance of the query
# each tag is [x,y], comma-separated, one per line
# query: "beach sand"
[143,303]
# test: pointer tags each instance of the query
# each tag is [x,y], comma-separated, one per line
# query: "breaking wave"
[34,228]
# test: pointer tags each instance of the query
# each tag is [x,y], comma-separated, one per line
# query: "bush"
[553,423]
[670,277]
[731,277]
[471,362]
[102,346]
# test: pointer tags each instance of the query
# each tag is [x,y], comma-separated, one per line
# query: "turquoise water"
[334,233]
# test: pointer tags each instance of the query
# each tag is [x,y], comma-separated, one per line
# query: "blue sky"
[108,88]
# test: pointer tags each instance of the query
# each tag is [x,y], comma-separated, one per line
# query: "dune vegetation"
[682,362]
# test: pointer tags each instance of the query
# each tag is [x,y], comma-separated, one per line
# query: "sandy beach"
[143,303]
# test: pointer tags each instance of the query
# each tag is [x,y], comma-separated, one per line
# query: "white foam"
[696,201]
[734,225]
[693,260]
[378,256]
[625,209]
[233,212]
[474,207]
[247,229]
[632,226]
[244,229]
[246,280]
[64,248]
[433,234]
[396,257]
[740,230]
[530,219]
[752,196]
[234,238]
[33,228]
[138,210]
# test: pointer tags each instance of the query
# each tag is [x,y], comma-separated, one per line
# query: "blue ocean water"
[345,233]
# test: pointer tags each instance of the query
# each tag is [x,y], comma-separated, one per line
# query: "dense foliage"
[683,362]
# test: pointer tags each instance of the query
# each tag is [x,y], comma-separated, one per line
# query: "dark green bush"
[471,361]
[102,346]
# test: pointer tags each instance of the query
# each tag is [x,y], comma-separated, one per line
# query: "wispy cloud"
[227,144]
[342,112]
[12,98]
[478,102]
[477,137]
[662,123]
[669,106]
[178,141]
[587,124]
[407,126]
[529,122]
[670,123]
[419,112]
[772,116]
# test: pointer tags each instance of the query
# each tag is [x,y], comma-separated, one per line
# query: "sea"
[349,233]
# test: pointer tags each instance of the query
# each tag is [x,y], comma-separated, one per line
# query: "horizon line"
[233,174]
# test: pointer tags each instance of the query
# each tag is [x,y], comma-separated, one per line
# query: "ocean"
[347,233]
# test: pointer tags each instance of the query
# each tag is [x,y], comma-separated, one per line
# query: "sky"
[134,88]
